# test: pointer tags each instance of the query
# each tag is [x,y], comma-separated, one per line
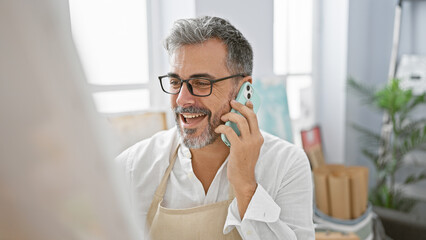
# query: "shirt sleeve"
[288,216]
[123,163]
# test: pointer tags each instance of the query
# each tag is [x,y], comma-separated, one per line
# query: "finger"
[248,114]
[230,134]
[238,119]
[249,104]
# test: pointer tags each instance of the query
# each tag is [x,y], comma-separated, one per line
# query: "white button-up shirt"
[281,207]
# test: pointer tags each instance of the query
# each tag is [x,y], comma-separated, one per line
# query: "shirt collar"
[185,159]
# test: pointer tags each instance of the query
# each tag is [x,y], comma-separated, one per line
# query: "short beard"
[208,136]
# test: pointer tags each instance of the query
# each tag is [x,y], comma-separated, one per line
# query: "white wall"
[369,50]
[413,29]
[330,86]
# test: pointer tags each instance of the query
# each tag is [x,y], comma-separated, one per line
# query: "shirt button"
[190,175]
[249,232]
[187,153]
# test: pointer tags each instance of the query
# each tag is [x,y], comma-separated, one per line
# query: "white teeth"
[192,116]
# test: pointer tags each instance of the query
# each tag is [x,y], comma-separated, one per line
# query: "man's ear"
[248,79]
[242,81]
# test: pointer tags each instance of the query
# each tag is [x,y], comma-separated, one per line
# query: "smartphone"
[246,92]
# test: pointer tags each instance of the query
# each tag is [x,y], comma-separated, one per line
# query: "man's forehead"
[205,57]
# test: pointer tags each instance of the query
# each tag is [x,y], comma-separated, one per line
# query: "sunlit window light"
[300,36]
[111,38]
[280,37]
[122,101]
[293,21]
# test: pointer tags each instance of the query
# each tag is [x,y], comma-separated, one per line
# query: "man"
[187,183]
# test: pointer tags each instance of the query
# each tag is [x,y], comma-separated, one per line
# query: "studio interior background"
[305,53]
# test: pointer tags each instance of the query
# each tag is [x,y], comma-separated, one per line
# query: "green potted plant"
[387,152]
[400,136]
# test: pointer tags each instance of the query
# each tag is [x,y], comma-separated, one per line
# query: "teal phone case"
[246,93]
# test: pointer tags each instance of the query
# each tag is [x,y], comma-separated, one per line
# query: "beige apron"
[204,222]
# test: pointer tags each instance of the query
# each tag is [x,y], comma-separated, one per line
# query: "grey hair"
[198,30]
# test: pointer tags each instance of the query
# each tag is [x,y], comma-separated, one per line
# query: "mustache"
[191,109]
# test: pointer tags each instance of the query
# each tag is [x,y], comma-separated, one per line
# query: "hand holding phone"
[246,93]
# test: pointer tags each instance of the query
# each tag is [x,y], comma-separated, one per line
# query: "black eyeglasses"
[198,86]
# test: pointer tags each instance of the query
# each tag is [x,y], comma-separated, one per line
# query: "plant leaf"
[415,178]
[415,102]
[373,157]
[411,126]
[369,140]
[367,93]
[366,131]
[392,98]
[415,140]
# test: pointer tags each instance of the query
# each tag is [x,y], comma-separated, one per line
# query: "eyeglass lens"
[199,87]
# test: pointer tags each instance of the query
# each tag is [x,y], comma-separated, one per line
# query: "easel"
[386,130]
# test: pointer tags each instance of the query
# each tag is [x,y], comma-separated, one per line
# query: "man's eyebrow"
[203,75]
[173,74]
[197,75]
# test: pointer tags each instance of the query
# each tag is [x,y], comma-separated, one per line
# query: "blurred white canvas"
[58,179]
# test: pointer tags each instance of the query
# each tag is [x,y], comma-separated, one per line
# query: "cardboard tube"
[339,187]
[357,191]
[362,185]
[321,189]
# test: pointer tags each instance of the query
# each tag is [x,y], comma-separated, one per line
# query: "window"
[293,34]
[111,38]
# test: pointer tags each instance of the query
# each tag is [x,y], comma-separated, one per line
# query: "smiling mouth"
[192,118]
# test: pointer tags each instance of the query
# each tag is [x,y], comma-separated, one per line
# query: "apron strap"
[161,189]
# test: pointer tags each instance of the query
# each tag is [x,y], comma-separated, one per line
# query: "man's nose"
[185,98]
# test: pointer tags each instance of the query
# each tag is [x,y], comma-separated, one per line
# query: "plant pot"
[400,225]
